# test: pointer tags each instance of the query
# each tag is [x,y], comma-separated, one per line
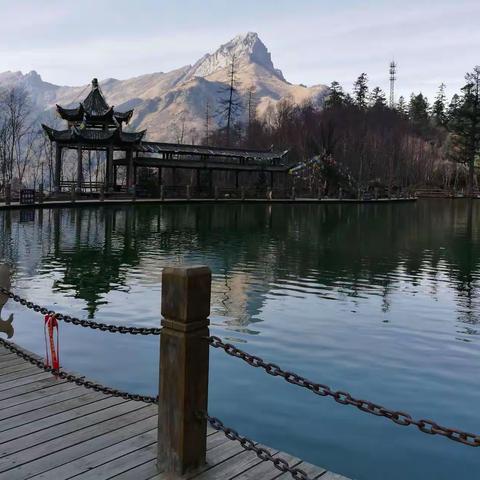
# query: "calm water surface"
[379,300]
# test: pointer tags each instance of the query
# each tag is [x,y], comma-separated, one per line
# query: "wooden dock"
[51,429]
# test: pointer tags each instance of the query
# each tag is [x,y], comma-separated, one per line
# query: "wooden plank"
[311,470]
[8,377]
[219,454]
[333,476]
[14,368]
[266,470]
[100,411]
[12,360]
[47,388]
[109,461]
[31,422]
[143,471]
[149,469]
[232,467]
[24,381]
[44,457]
[46,405]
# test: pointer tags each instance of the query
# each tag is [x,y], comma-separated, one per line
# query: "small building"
[96,126]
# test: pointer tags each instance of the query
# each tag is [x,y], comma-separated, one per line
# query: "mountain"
[166,103]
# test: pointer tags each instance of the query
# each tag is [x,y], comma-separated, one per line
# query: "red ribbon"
[52,359]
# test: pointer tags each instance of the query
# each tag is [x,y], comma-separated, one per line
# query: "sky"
[311,41]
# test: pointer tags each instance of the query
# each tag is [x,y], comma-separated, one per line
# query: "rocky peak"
[247,48]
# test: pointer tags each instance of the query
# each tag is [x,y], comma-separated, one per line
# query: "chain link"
[69,377]
[262,453]
[344,398]
[77,321]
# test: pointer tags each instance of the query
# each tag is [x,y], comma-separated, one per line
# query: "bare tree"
[17,135]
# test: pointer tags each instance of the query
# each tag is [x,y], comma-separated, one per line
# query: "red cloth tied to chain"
[52,357]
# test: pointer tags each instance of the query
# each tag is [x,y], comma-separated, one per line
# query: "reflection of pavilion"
[95,126]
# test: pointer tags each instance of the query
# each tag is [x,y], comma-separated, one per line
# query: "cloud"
[311,41]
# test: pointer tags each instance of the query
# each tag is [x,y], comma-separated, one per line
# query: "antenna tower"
[393,71]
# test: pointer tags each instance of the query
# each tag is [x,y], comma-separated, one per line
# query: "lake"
[381,300]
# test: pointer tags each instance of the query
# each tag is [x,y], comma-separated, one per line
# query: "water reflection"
[257,251]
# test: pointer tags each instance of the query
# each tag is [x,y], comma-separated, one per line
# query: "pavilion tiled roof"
[101,137]
[94,109]
[181,149]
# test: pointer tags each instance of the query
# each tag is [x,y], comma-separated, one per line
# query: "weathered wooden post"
[188,192]
[293,193]
[183,394]
[320,193]
[8,194]
[102,193]
[40,193]
[162,192]
[73,194]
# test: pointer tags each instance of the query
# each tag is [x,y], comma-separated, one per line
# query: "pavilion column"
[160,179]
[58,167]
[79,170]
[130,179]
[109,170]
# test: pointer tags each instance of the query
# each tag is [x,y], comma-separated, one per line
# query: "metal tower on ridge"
[393,71]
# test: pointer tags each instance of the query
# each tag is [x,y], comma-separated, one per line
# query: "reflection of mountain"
[256,250]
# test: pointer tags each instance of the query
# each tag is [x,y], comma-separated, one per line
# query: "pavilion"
[96,126]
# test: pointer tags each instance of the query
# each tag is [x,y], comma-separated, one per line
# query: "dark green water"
[379,300]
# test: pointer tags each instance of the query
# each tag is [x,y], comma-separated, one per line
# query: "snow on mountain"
[165,100]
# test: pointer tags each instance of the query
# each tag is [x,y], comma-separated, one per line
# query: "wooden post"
[162,192]
[72,194]
[184,355]
[58,168]
[109,170]
[102,193]
[293,193]
[79,169]
[40,193]
[188,192]
[8,194]
[130,179]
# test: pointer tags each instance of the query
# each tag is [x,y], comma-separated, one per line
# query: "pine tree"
[465,125]
[377,98]
[336,98]
[401,106]
[207,121]
[418,109]
[360,91]
[231,104]
[453,107]
[439,114]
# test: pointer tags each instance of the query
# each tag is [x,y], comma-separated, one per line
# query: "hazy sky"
[311,41]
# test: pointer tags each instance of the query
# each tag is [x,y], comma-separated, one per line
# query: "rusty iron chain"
[104,327]
[69,377]
[344,398]
[261,452]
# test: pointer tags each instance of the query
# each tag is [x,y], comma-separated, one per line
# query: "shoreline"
[158,201]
